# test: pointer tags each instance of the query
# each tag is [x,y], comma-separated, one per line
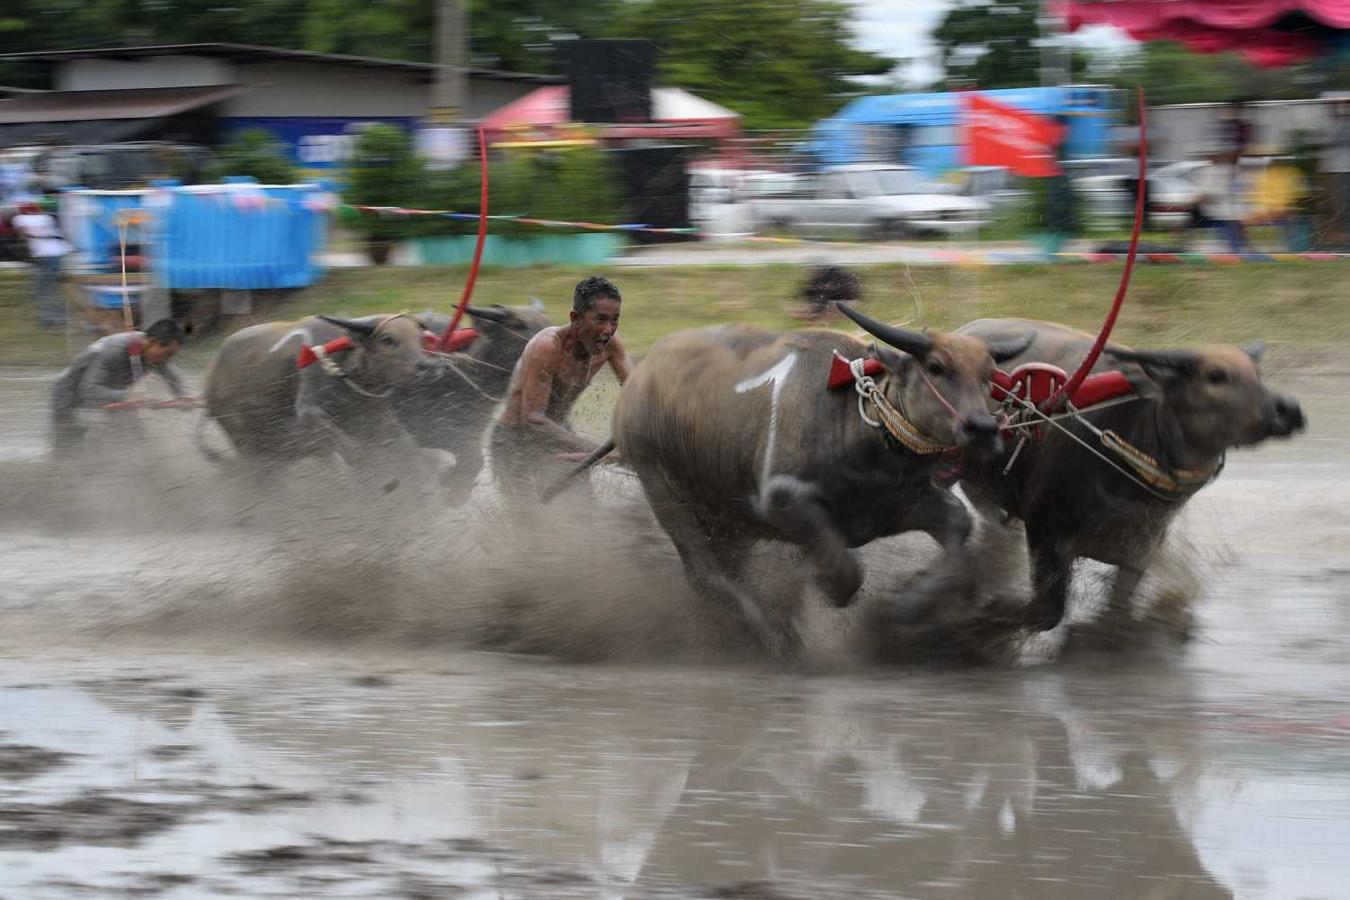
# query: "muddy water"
[146,751]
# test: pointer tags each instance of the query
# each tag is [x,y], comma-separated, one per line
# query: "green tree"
[518,35]
[990,44]
[779,63]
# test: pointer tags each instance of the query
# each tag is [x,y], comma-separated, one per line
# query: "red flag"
[1000,135]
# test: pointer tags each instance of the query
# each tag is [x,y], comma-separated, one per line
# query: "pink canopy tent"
[676,113]
[1270,33]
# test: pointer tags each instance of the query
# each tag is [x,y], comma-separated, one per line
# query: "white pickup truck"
[871,202]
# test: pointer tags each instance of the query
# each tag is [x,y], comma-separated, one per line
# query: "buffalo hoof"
[841,583]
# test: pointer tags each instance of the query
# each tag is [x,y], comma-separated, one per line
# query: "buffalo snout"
[1284,416]
[979,431]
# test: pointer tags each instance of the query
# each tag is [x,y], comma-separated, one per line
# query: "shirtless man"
[531,442]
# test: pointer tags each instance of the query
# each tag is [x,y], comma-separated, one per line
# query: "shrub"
[384,171]
[255,153]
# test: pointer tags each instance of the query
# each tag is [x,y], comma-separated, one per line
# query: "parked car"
[870,201]
[993,184]
[1173,195]
[118,166]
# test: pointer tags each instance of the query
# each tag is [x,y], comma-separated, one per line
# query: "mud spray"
[167,543]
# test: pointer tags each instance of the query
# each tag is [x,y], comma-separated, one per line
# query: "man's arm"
[537,366]
[94,389]
[172,378]
[618,359]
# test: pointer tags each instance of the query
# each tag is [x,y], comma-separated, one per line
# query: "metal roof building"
[315,102]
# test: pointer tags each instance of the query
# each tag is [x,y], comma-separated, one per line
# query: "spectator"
[1336,166]
[1221,199]
[1060,216]
[1277,192]
[46,246]
[1233,132]
[826,286]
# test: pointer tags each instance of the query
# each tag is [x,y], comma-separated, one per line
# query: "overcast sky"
[900,28]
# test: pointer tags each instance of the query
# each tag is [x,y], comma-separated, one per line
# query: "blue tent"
[924,129]
[234,236]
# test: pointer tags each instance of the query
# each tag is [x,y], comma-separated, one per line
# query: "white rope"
[866,387]
[1031,408]
[330,366]
[449,364]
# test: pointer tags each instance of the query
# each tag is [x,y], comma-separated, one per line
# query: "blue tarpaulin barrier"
[234,236]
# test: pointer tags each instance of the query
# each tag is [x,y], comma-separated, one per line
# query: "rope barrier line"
[935,254]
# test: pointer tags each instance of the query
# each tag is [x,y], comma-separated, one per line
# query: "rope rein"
[331,367]
[888,418]
[1139,467]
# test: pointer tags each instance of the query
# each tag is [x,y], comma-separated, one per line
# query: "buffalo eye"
[936,369]
[387,340]
[1217,376]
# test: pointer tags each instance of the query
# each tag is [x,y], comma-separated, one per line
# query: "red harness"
[1029,384]
[460,340]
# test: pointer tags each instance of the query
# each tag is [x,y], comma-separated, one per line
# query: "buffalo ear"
[1255,350]
[893,361]
[1163,366]
[1145,388]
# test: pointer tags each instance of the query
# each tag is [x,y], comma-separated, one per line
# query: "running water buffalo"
[273,410]
[736,438]
[1190,407]
[452,411]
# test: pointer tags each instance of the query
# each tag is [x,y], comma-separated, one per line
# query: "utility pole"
[449,96]
[1054,72]
[442,142]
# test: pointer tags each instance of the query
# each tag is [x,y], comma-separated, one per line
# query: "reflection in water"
[1064,783]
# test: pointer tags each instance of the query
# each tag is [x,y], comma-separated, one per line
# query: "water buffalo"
[1191,406]
[735,438]
[452,411]
[274,411]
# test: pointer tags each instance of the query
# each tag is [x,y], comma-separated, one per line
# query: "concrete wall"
[150,72]
[293,88]
[1186,131]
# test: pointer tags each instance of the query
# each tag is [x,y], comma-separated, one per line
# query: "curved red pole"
[1057,398]
[478,249]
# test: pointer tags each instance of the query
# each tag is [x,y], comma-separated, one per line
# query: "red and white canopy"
[676,113]
[1270,33]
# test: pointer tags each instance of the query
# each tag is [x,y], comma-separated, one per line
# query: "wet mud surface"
[228,696]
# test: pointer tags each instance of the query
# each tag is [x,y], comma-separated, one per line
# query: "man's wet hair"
[592,289]
[165,331]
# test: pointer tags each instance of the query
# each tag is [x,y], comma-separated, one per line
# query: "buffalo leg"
[1050,576]
[943,518]
[1119,608]
[705,570]
[789,505]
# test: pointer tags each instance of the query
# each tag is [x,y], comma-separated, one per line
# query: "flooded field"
[214,688]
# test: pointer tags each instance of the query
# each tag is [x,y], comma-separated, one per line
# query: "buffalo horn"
[488,315]
[1002,351]
[912,342]
[352,325]
[1181,360]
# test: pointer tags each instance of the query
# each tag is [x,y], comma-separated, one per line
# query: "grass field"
[1305,304]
